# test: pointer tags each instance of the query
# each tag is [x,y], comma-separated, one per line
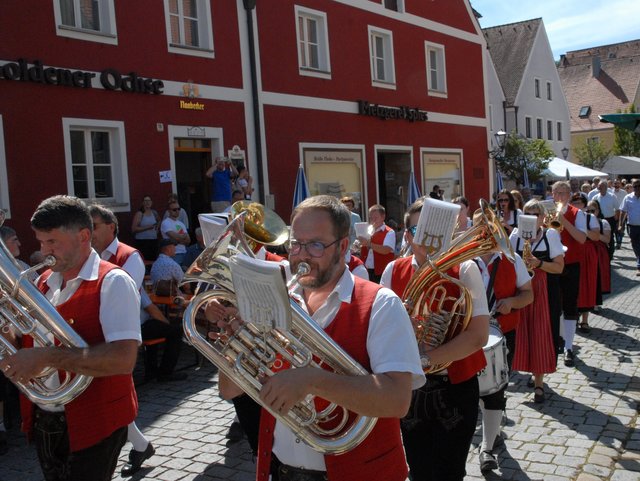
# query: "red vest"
[110,402]
[353,263]
[505,286]
[380,457]
[380,261]
[270,256]
[123,252]
[462,369]
[574,248]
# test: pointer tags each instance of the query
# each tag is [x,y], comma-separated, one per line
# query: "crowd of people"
[535,300]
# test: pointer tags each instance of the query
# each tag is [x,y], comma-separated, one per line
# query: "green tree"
[627,142]
[521,153]
[592,153]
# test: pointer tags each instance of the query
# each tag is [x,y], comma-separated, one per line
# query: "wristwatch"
[425,360]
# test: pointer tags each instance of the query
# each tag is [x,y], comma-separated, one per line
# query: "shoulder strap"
[491,295]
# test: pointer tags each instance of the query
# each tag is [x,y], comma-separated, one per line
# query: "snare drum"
[496,374]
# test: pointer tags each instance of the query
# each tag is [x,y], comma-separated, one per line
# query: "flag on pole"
[499,183]
[413,193]
[301,191]
[525,180]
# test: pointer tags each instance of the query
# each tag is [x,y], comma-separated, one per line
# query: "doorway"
[394,169]
[192,160]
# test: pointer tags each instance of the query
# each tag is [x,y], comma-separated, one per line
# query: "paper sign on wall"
[165,176]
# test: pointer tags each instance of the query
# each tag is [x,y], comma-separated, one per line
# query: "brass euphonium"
[251,352]
[26,311]
[438,317]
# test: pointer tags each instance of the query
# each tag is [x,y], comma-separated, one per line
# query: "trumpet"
[254,351]
[552,219]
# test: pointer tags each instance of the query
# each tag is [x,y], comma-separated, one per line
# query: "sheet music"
[362,229]
[212,226]
[261,292]
[436,225]
[527,226]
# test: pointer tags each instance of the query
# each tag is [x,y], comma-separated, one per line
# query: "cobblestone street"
[586,430]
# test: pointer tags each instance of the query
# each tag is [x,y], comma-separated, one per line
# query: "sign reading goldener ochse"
[110,79]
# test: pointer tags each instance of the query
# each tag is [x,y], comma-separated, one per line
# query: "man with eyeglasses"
[379,249]
[573,235]
[371,324]
[631,214]
[438,430]
[172,228]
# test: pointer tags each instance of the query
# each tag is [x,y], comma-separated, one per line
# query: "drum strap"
[491,295]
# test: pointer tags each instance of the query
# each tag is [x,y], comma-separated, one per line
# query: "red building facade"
[113,100]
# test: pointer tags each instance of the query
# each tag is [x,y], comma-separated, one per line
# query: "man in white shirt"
[620,194]
[594,188]
[631,213]
[82,439]
[172,228]
[379,249]
[610,209]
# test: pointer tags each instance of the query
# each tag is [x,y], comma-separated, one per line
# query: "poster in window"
[444,170]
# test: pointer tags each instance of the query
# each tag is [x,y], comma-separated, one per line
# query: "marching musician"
[379,249]
[82,439]
[438,430]
[371,324]
[508,289]
[574,233]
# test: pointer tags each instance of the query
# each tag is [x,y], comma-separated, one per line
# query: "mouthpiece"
[303,269]
[49,261]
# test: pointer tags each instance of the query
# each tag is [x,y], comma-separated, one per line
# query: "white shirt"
[592,193]
[119,304]
[581,221]
[174,226]
[631,205]
[608,203]
[553,236]
[620,195]
[360,270]
[389,241]
[469,276]
[522,276]
[391,345]
[134,266]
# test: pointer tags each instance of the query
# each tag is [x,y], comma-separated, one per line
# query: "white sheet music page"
[261,292]
[436,225]
[527,226]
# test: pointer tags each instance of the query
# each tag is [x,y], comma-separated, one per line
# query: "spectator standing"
[436,193]
[244,183]
[594,188]
[144,227]
[631,214]
[610,210]
[172,228]
[220,174]
[355,217]
[379,249]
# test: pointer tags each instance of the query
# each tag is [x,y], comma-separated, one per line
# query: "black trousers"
[634,235]
[612,242]
[438,430]
[569,289]
[248,412]
[373,277]
[97,462]
[153,329]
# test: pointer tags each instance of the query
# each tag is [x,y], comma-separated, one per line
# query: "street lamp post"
[496,153]
[565,153]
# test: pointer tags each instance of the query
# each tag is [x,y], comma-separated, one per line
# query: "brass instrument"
[437,317]
[251,352]
[25,310]
[552,219]
[526,253]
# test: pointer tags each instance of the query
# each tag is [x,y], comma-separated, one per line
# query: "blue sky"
[570,24]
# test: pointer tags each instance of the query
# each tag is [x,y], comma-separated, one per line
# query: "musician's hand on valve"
[286,388]
[225,317]
[25,364]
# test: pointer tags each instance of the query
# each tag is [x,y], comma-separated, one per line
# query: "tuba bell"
[26,311]
[438,317]
[251,352]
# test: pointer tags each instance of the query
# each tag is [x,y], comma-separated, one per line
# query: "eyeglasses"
[314,249]
[412,230]
[537,214]
[503,200]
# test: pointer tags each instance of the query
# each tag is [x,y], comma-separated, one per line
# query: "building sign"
[189,105]
[335,172]
[110,79]
[411,114]
[196,132]
[444,170]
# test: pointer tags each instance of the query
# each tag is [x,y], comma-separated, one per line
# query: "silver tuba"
[251,353]
[26,311]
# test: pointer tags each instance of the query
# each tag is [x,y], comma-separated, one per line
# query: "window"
[395,5]
[536,84]
[592,140]
[549,96]
[96,161]
[92,20]
[4,183]
[549,129]
[436,69]
[539,133]
[189,27]
[527,127]
[584,111]
[559,131]
[313,43]
[381,53]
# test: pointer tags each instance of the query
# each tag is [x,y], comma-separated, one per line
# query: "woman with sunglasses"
[603,271]
[507,210]
[588,263]
[538,334]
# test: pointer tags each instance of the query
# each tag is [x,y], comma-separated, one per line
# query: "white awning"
[622,165]
[557,170]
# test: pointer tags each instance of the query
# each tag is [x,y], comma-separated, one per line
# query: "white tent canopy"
[557,170]
[622,165]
